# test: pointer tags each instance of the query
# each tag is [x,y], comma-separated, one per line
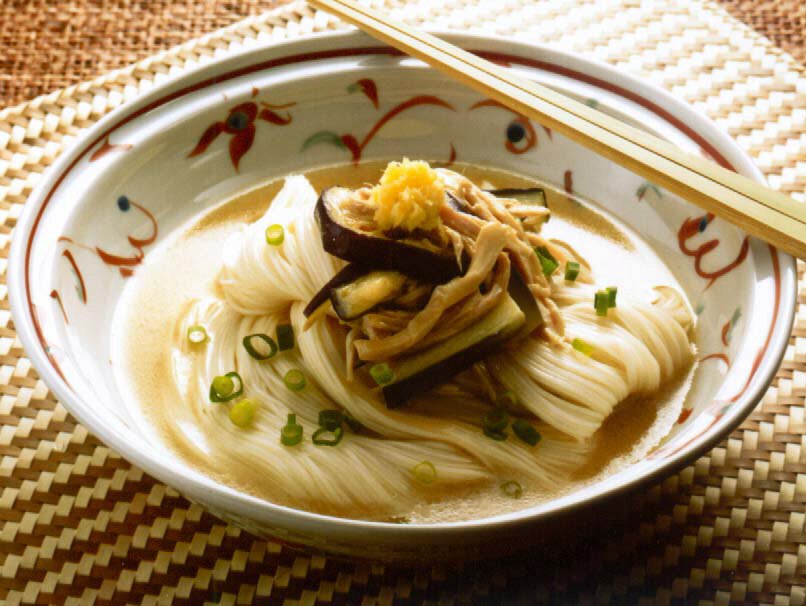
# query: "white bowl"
[148,167]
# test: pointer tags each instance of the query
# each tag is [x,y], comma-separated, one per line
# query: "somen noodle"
[521,414]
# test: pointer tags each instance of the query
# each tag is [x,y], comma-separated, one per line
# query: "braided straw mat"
[79,525]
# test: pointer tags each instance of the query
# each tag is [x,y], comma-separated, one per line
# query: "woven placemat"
[79,525]
[51,44]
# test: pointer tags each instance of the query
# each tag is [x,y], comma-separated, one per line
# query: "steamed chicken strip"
[491,241]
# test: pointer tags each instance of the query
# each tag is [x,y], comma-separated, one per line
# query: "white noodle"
[636,347]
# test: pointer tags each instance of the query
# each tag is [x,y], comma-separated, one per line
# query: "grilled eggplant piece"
[527,199]
[417,259]
[526,301]
[348,274]
[458,204]
[527,195]
[420,372]
[365,293]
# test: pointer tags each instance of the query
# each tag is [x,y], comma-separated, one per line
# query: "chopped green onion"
[291,433]
[571,271]
[525,431]
[243,412]
[335,436]
[275,234]
[295,380]
[496,420]
[424,472]
[582,347]
[285,337]
[250,348]
[197,334]
[601,302]
[381,373]
[353,423]
[498,436]
[611,295]
[223,387]
[512,489]
[507,399]
[331,419]
[547,261]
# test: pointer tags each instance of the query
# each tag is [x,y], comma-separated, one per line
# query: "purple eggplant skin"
[524,194]
[520,292]
[347,274]
[458,204]
[351,301]
[397,394]
[383,253]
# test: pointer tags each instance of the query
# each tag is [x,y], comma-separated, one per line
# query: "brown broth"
[150,310]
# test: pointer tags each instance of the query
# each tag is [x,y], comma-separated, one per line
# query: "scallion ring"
[512,489]
[242,413]
[291,432]
[285,337]
[498,436]
[582,347]
[381,373]
[197,334]
[331,440]
[353,423]
[601,302]
[295,380]
[507,399]
[571,271]
[223,388]
[611,291]
[526,432]
[496,420]
[425,472]
[331,420]
[275,234]
[249,342]
[547,261]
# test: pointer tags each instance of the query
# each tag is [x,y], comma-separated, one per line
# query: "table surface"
[79,525]
[51,44]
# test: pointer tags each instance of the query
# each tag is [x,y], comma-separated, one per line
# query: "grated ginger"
[408,196]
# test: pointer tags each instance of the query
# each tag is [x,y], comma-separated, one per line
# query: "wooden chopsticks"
[760,211]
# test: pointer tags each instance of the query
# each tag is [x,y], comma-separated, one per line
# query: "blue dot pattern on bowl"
[515,132]
[237,121]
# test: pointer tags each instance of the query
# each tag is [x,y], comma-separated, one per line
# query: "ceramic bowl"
[195,140]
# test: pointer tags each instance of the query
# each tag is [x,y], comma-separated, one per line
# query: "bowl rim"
[349,528]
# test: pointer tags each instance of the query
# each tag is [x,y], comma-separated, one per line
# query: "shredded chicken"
[414,298]
[490,236]
[465,313]
[384,323]
[485,380]
[349,352]
[491,241]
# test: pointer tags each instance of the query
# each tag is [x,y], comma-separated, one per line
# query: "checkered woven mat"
[79,525]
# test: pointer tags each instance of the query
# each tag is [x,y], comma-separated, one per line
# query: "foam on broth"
[185,265]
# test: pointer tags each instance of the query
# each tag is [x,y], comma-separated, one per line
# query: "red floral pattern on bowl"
[241,120]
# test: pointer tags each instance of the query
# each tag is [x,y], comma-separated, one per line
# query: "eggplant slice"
[417,259]
[347,274]
[525,195]
[420,372]
[354,299]
[526,301]
[380,271]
